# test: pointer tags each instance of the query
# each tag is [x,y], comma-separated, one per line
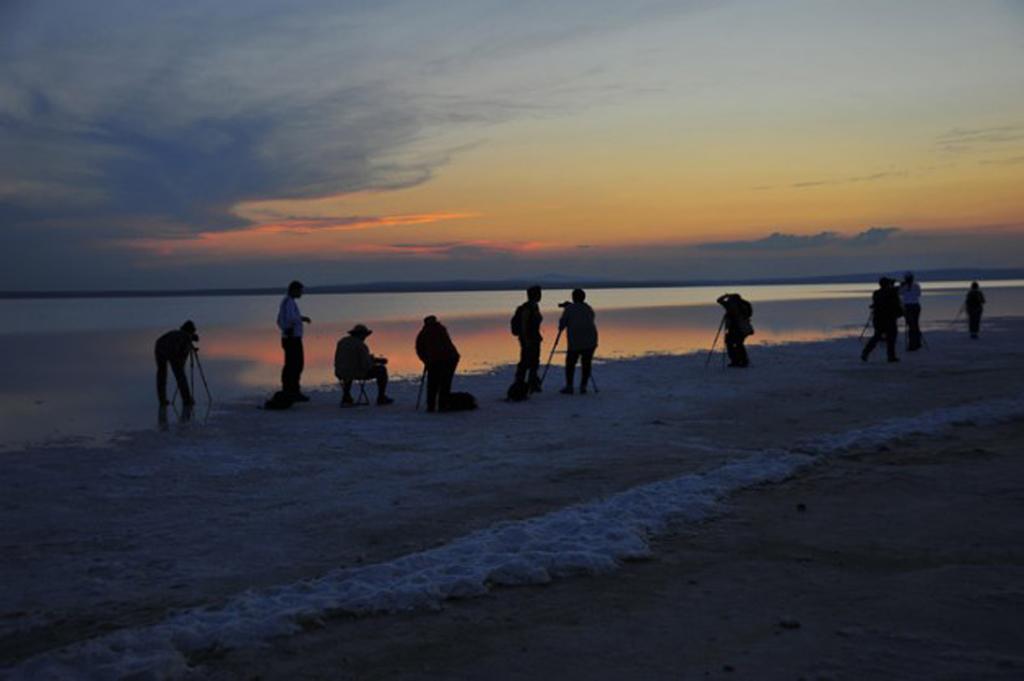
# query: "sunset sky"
[239,143]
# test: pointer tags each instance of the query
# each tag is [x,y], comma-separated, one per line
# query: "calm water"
[84,368]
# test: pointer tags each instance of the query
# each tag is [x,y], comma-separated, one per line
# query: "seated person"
[353,362]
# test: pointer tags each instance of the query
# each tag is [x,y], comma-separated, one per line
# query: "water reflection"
[81,381]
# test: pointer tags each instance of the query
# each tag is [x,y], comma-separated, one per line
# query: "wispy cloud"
[291,236]
[964,140]
[780,241]
[826,182]
[1011,161]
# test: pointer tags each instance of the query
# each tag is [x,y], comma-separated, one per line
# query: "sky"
[251,142]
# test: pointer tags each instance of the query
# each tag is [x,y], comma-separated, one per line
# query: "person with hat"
[174,348]
[886,310]
[290,321]
[910,294]
[353,362]
[440,358]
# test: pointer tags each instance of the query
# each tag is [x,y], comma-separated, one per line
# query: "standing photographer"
[290,321]
[581,333]
[886,310]
[910,294]
[174,348]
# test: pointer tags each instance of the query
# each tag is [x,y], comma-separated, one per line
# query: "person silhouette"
[885,313]
[440,358]
[526,326]
[910,295]
[581,339]
[290,321]
[737,327]
[173,348]
[974,304]
[353,362]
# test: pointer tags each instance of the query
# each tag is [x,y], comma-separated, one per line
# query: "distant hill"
[551,280]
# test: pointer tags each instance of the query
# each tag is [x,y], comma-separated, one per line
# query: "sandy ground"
[905,562]
[98,540]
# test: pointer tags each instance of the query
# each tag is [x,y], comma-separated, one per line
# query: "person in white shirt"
[910,295]
[290,321]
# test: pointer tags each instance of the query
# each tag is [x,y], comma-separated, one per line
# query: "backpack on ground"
[516,323]
[279,400]
[461,402]
[518,391]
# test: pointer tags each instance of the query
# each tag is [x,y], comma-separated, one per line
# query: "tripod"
[711,352]
[551,356]
[193,363]
[863,331]
[958,313]
[419,394]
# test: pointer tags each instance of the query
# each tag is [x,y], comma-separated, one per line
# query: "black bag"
[279,400]
[516,323]
[518,391]
[461,402]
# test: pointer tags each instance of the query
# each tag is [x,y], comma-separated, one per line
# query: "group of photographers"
[893,300]
[434,347]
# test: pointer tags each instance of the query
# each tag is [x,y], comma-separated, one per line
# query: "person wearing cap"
[886,310]
[581,339]
[440,358]
[910,294]
[353,362]
[290,321]
[174,348]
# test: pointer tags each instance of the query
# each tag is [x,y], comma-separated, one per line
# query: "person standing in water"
[290,321]
[910,294]
[581,339]
[974,304]
[885,313]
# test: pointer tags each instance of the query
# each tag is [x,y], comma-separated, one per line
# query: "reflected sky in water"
[84,368]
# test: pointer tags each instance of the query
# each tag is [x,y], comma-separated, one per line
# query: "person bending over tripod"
[737,327]
[440,358]
[885,313]
[174,348]
[581,331]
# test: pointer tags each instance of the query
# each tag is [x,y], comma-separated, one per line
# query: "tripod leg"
[419,393]
[718,333]
[202,375]
[551,356]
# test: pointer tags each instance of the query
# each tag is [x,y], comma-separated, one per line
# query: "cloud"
[290,237]
[1011,161]
[808,184]
[780,241]
[965,140]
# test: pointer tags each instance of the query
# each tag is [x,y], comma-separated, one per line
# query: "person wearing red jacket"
[435,349]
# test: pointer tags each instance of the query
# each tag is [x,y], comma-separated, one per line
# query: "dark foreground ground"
[901,563]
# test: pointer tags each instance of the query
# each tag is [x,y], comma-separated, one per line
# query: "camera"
[564,304]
